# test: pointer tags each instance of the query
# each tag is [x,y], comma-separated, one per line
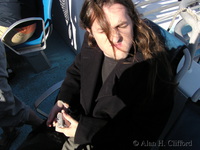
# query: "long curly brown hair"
[144,37]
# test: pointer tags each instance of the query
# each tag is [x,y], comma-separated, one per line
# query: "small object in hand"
[60,121]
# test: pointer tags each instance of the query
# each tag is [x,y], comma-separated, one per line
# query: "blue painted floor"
[28,85]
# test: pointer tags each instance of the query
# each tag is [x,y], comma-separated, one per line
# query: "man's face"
[121,32]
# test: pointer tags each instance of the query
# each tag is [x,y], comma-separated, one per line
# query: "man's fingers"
[50,120]
[51,117]
[68,117]
[61,130]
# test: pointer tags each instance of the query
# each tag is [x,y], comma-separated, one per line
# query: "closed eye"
[124,25]
[100,31]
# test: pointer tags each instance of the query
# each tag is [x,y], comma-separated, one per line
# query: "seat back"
[43,29]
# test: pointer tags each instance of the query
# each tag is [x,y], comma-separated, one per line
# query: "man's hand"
[57,108]
[71,125]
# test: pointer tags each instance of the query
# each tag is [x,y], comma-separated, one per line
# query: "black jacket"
[119,112]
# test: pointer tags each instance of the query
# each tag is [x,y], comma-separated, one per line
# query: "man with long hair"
[119,91]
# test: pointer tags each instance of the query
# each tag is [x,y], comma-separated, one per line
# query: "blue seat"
[44,27]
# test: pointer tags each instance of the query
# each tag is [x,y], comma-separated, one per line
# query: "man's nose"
[115,36]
